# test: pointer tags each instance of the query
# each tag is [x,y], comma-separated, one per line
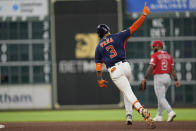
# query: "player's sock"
[137,106]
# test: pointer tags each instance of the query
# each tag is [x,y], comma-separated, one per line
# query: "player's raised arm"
[139,22]
[146,10]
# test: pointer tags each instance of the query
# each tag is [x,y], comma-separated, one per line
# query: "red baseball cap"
[157,42]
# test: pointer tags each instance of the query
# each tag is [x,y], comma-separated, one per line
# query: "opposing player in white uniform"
[111,51]
[162,66]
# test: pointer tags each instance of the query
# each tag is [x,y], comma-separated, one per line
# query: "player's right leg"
[147,118]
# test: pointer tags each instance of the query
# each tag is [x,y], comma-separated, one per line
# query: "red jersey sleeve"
[153,60]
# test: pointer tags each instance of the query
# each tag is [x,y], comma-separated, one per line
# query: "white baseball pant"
[120,75]
[161,84]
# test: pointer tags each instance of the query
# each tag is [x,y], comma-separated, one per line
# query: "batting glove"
[102,83]
[142,85]
[177,83]
[146,10]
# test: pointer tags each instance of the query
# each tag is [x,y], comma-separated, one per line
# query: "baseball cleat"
[148,119]
[171,116]
[129,119]
[158,118]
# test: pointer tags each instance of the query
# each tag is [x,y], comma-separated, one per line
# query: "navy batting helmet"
[102,29]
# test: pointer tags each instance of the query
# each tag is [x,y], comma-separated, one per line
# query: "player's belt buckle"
[118,63]
[124,61]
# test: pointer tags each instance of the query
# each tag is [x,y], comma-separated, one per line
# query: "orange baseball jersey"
[162,62]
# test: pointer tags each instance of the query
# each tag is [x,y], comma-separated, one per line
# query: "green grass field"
[183,114]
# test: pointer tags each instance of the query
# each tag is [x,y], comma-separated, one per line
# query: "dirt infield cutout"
[98,126]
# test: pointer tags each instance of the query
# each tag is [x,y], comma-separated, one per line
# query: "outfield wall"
[47,60]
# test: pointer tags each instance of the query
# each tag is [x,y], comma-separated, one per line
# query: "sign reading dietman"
[76,40]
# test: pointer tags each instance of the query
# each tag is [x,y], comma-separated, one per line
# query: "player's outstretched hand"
[102,83]
[177,83]
[146,10]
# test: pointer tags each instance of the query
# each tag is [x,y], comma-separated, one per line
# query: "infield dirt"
[98,126]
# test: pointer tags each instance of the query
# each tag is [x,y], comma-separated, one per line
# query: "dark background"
[72,17]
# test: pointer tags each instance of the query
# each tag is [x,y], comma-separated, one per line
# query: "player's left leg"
[171,114]
[158,116]
[160,109]
[128,105]
[129,111]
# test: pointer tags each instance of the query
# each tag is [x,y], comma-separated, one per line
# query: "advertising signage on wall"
[161,5]
[76,40]
[25,97]
[23,8]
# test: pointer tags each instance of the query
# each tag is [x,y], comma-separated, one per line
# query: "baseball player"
[111,51]
[162,66]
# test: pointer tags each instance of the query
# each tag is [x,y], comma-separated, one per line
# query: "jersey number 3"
[112,51]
